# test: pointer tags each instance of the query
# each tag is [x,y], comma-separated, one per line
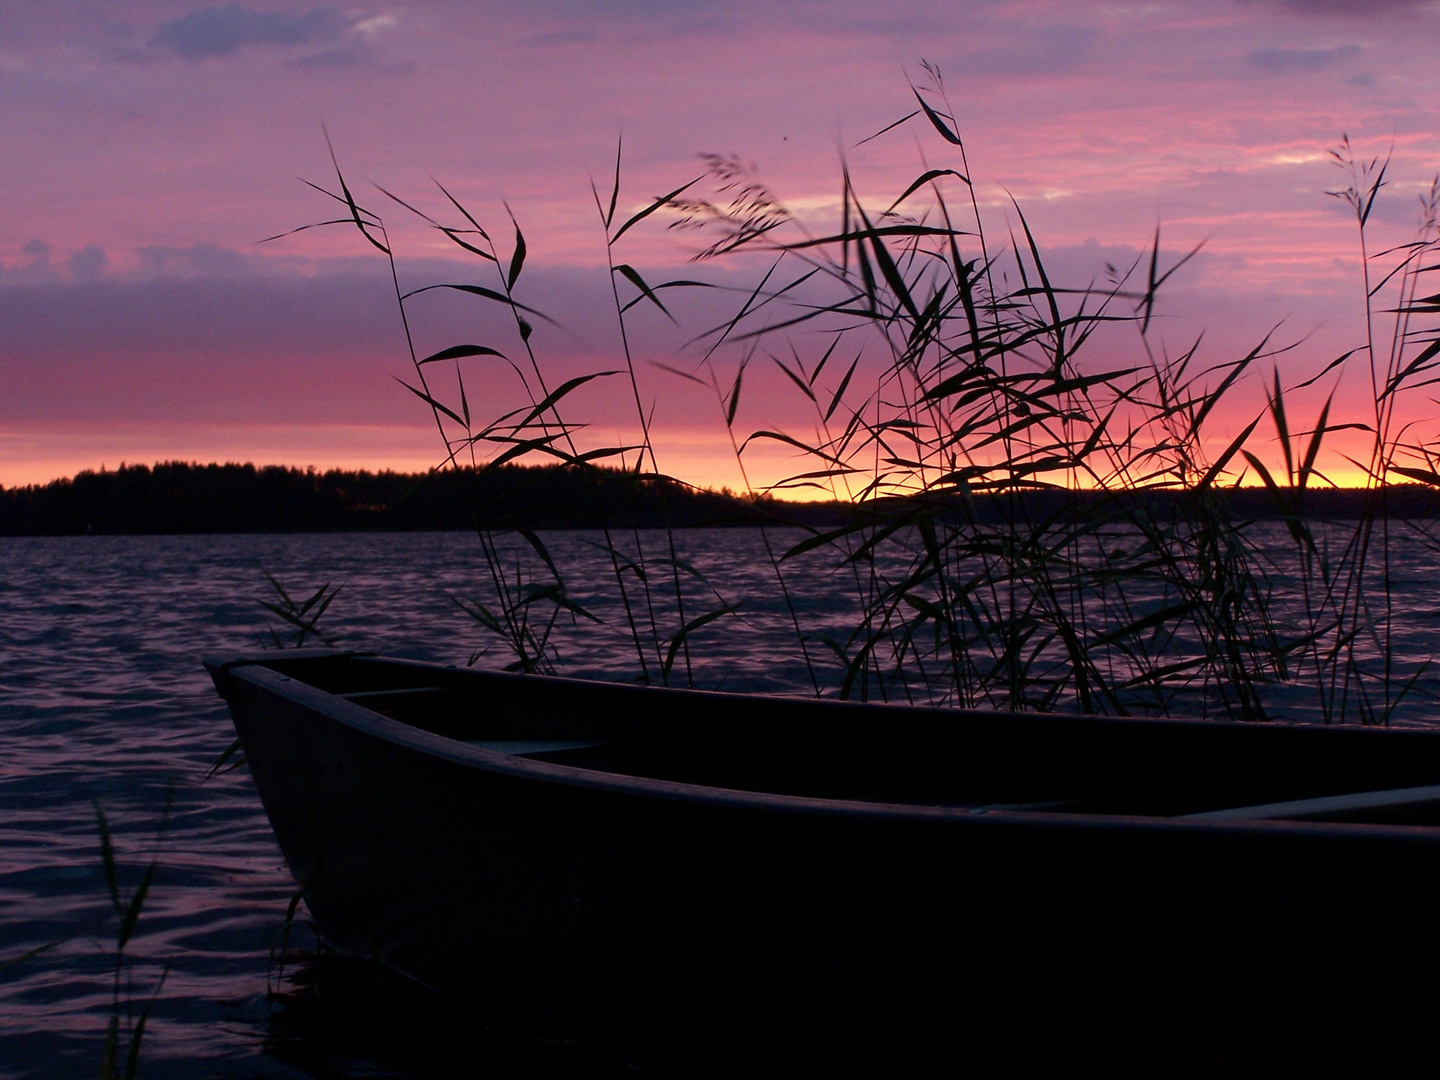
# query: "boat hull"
[722,931]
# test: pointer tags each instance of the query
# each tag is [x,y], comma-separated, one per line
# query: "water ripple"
[103,702]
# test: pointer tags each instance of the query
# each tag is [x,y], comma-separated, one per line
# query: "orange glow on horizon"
[696,457]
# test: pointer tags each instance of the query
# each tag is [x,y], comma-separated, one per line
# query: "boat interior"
[979,761]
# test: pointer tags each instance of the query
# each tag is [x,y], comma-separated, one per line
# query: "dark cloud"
[276,345]
[37,267]
[198,259]
[224,29]
[204,348]
[89,263]
[1285,61]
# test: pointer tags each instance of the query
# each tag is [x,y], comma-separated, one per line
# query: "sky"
[150,146]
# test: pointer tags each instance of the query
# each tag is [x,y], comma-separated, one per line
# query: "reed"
[525,601]
[1345,577]
[1007,556]
[125,1032]
[1034,528]
[300,619]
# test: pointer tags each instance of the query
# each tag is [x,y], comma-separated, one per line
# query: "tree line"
[178,497]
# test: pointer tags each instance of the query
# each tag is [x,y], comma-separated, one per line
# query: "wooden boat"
[716,883]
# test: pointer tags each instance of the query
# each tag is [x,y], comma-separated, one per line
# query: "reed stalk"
[125,1032]
[1038,523]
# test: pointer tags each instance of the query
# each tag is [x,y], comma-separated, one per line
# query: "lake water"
[103,702]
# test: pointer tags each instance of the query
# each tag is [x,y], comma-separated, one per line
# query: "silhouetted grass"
[955,384]
[125,1032]
[1032,528]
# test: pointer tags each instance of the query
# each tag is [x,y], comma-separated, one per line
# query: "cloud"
[89,263]
[1287,61]
[224,29]
[561,37]
[197,347]
[372,27]
[1031,49]
[340,56]
[271,346]
[37,268]
[1351,7]
[199,259]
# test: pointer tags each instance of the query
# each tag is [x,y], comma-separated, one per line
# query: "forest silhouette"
[177,498]
[180,498]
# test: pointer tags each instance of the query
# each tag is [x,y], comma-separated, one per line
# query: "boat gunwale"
[368,722]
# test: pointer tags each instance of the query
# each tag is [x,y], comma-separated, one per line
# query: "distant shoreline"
[178,498]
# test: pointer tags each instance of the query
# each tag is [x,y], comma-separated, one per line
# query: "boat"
[722,884]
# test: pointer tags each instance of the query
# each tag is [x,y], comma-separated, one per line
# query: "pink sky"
[149,145]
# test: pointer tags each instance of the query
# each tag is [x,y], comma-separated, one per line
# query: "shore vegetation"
[1034,522]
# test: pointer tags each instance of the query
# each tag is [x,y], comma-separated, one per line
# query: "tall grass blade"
[107,857]
[460,352]
[517,260]
[660,203]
